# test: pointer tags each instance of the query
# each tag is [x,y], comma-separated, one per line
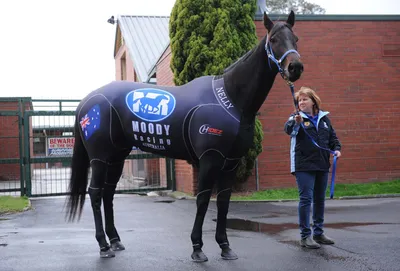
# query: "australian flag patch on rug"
[91,121]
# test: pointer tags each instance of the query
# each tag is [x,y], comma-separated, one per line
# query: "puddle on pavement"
[141,194]
[267,216]
[248,225]
[164,201]
[272,229]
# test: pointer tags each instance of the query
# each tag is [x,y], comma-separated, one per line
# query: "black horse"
[209,122]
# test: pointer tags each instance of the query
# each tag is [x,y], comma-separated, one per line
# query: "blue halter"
[278,63]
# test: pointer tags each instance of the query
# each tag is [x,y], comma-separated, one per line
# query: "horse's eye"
[296,38]
[272,39]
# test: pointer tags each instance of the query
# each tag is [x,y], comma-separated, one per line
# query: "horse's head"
[281,47]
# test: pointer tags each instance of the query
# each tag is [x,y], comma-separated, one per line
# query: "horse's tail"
[79,178]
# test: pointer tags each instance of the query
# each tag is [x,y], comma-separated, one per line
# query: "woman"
[310,164]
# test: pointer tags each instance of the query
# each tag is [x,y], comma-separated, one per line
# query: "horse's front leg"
[202,201]
[206,177]
[223,199]
[113,174]
[99,173]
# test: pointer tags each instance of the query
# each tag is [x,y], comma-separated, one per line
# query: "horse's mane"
[240,60]
[276,27]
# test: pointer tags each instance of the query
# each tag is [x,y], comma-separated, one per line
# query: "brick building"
[10,150]
[353,62]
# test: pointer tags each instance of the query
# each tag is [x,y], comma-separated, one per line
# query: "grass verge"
[341,190]
[9,204]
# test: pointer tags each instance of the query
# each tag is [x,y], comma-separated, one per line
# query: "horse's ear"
[290,20]
[267,22]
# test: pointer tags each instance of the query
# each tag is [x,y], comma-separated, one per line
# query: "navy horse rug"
[176,120]
[208,122]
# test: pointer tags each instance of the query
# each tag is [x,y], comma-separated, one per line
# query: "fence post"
[21,146]
[27,155]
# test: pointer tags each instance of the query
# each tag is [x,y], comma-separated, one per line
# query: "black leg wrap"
[111,231]
[108,197]
[223,198]
[202,201]
[95,198]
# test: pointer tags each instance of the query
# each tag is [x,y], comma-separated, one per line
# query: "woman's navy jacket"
[304,154]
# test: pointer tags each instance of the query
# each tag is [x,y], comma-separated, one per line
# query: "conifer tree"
[206,37]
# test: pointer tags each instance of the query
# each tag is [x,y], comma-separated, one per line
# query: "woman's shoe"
[308,242]
[323,239]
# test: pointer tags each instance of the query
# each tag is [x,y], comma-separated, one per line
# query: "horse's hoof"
[198,256]
[117,246]
[107,253]
[228,254]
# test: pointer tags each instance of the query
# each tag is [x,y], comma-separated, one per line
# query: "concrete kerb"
[29,205]
[181,195]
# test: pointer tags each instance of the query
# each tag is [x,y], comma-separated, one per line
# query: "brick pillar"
[186,177]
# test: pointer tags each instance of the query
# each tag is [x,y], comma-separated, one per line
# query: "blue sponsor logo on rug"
[151,104]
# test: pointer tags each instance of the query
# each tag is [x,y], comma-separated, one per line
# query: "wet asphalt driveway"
[157,237]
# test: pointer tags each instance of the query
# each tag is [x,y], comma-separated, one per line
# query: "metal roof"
[146,38]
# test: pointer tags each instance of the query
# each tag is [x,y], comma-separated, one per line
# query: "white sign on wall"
[60,146]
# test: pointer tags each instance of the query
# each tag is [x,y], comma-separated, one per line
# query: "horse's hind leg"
[223,198]
[113,174]
[99,173]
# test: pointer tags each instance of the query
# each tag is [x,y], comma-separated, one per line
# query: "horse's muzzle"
[295,69]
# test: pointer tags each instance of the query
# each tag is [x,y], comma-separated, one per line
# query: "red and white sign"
[60,146]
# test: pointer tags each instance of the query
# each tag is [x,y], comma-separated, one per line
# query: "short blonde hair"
[312,95]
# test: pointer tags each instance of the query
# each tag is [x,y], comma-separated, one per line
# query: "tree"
[206,37]
[298,6]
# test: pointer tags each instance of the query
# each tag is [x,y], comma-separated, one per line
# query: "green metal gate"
[46,138]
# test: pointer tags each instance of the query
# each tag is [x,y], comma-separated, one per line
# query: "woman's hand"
[298,119]
[337,154]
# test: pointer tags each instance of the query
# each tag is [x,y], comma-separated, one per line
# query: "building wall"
[124,61]
[343,62]
[9,147]
[9,139]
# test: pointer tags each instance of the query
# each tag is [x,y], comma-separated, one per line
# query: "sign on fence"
[60,146]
